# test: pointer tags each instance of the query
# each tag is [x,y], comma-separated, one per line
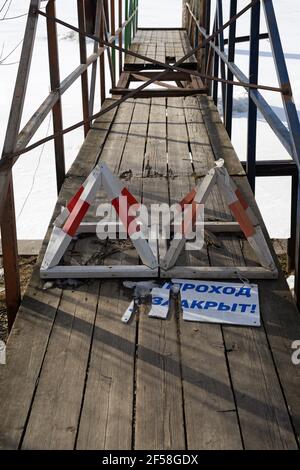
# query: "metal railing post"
[231,54]
[55,83]
[252,109]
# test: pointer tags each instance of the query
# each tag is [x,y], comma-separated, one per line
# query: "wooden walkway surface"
[77,377]
[162,45]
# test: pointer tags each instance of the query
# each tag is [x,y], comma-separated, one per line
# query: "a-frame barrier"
[70,222]
[246,220]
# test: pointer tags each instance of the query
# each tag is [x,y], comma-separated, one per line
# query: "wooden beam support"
[160,93]
[169,76]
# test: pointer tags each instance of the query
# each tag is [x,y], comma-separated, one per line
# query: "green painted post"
[131,22]
[126,27]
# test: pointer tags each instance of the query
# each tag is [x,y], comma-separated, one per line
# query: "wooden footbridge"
[76,376]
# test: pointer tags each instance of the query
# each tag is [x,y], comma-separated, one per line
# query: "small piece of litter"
[133,284]
[48,285]
[160,303]
[128,314]
[142,289]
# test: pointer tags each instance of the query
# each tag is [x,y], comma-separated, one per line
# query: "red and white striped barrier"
[239,207]
[68,222]
[245,217]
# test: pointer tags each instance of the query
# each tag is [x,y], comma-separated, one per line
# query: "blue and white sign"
[217,302]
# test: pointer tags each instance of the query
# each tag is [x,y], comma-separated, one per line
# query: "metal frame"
[288,136]
[197,15]
[17,141]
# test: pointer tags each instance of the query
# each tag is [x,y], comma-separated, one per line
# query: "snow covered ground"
[34,174]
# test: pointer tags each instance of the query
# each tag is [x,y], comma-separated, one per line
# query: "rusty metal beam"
[55,84]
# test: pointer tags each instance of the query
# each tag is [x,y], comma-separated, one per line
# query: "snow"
[34,174]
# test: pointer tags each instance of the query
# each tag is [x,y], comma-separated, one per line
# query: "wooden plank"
[187,47]
[170,51]
[151,51]
[156,150]
[106,420]
[219,139]
[169,76]
[57,403]
[210,415]
[107,412]
[70,338]
[90,150]
[281,323]
[35,320]
[116,140]
[129,59]
[28,247]
[262,412]
[24,355]
[179,162]
[202,154]
[159,411]
[178,49]
[134,151]
[18,379]
[151,93]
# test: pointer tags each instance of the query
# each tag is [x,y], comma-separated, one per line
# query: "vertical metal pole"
[136,15]
[111,67]
[207,29]
[113,31]
[55,83]
[126,27]
[297,250]
[184,14]
[291,115]
[292,240]
[208,49]
[203,23]
[102,60]
[120,37]
[222,48]
[231,54]
[131,22]
[252,109]
[7,208]
[95,64]
[83,57]
[216,65]
[10,257]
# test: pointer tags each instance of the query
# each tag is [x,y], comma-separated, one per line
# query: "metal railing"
[95,17]
[96,20]
[216,61]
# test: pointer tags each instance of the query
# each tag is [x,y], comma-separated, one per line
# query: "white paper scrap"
[127,315]
[160,303]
